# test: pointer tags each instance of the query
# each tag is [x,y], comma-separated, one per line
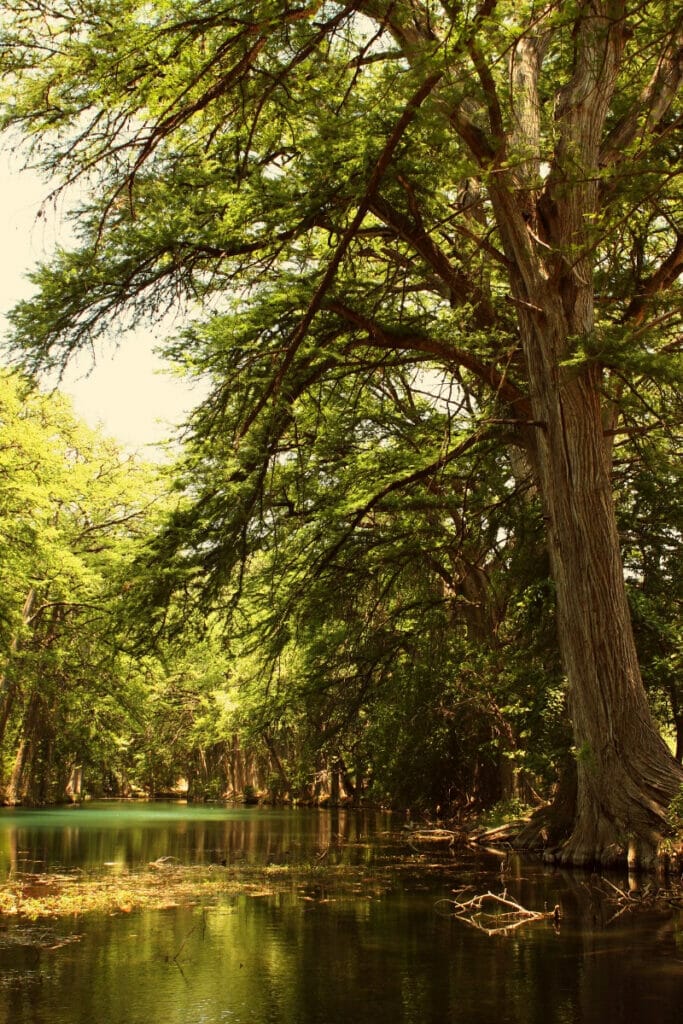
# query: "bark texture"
[544,190]
[625,774]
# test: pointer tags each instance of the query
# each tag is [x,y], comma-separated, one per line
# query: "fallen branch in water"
[421,839]
[634,899]
[506,913]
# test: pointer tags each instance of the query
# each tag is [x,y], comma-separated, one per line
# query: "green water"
[317,953]
[132,834]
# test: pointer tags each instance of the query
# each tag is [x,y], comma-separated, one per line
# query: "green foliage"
[359,209]
[675,813]
[648,480]
[504,812]
[72,507]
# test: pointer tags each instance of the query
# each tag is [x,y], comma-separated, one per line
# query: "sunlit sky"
[128,392]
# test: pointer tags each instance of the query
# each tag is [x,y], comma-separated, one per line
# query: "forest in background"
[420,546]
[420,670]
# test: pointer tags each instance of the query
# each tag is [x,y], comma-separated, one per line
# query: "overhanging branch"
[315,304]
[404,341]
[402,483]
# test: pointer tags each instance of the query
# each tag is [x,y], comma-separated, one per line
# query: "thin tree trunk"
[277,763]
[7,683]
[24,754]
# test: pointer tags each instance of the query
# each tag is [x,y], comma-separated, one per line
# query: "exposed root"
[626,830]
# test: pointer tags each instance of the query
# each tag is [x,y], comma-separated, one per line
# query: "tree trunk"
[15,789]
[335,785]
[276,763]
[625,774]
[677,716]
[7,682]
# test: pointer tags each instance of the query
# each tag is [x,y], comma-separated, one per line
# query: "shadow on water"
[355,936]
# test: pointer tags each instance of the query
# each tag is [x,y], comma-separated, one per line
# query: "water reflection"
[277,961]
[321,957]
[129,834]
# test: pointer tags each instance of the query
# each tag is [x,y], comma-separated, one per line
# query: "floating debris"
[496,914]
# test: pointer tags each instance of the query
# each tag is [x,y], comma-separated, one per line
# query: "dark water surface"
[315,953]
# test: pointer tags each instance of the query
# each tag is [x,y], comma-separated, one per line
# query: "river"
[357,930]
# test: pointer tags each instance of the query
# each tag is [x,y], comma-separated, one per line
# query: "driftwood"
[421,839]
[628,900]
[163,862]
[496,914]
[502,834]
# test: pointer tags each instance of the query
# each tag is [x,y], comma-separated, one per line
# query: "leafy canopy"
[335,196]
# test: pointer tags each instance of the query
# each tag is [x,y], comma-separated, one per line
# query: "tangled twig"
[506,913]
[626,900]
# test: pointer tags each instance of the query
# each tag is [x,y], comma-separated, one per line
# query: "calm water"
[314,954]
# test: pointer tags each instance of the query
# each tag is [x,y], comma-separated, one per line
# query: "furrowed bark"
[625,774]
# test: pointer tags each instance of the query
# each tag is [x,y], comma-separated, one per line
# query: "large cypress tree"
[488,187]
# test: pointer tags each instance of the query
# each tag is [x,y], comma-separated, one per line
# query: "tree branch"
[658,282]
[462,289]
[392,339]
[401,483]
[654,102]
[378,172]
